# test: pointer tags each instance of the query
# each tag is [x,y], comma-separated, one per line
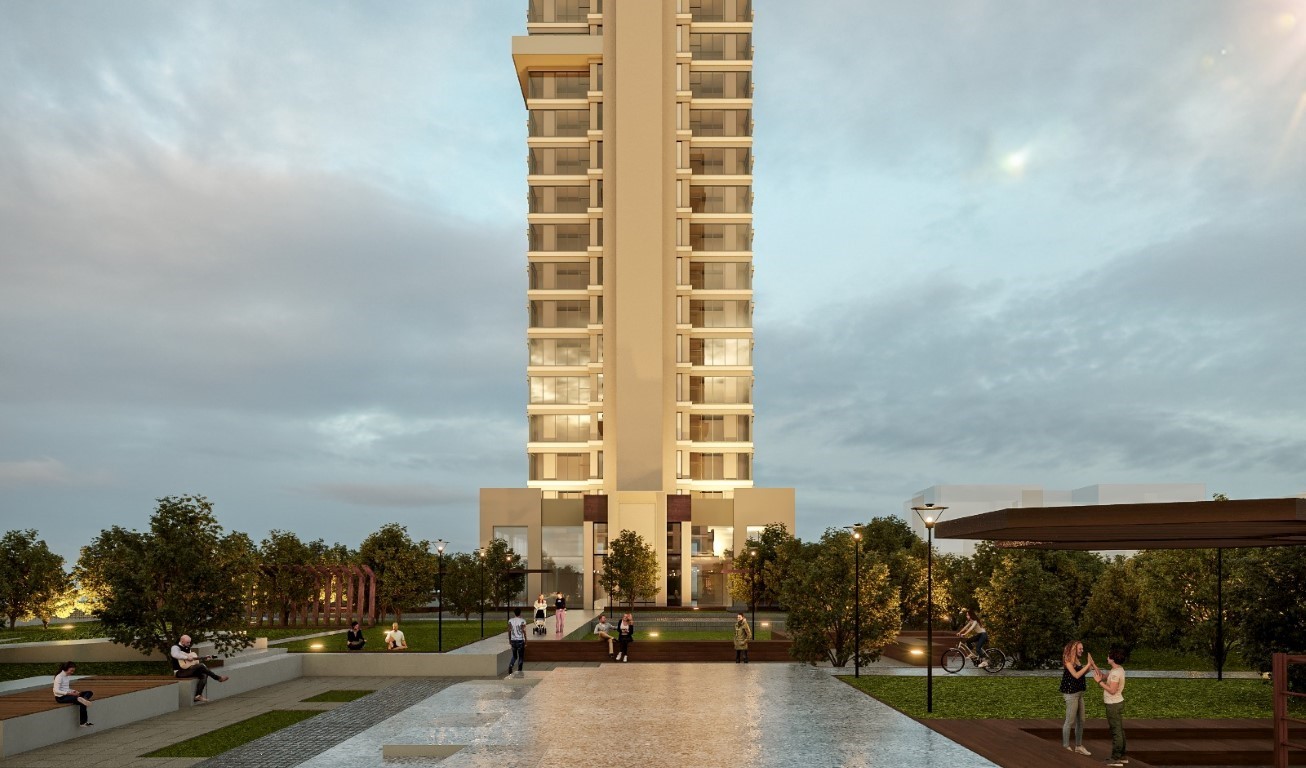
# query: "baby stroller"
[539,628]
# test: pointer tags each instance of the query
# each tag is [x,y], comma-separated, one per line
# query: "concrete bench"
[247,672]
[31,719]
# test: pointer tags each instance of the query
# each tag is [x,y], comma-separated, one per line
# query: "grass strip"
[115,668]
[343,695]
[666,635]
[421,636]
[1000,697]
[231,736]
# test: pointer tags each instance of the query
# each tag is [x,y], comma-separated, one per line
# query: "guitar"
[188,663]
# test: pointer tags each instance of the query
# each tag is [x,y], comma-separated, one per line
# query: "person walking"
[1113,689]
[625,634]
[517,639]
[1072,690]
[559,610]
[980,637]
[743,633]
[64,693]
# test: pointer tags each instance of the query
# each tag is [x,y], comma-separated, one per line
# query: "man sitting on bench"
[186,663]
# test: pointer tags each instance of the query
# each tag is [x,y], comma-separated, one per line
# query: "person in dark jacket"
[625,634]
[354,639]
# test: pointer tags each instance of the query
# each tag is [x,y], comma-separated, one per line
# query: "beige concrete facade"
[640,259]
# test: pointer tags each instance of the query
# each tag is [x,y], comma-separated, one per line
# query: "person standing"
[974,629]
[517,639]
[186,663]
[742,635]
[1113,690]
[541,609]
[625,634]
[354,639]
[64,693]
[1072,690]
[559,610]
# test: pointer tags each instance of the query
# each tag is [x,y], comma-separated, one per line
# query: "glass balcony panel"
[547,313]
[715,351]
[558,85]
[721,85]
[721,199]
[559,161]
[714,313]
[559,199]
[553,123]
[721,390]
[721,10]
[560,276]
[559,11]
[560,390]
[721,237]
[559,237]
[560,351]
[720,122]
[560,428]
[720,276]
[720,161]
[731,46]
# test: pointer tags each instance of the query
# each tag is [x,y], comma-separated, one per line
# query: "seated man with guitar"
[187,663]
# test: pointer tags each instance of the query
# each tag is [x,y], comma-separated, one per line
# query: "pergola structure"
[1217,525]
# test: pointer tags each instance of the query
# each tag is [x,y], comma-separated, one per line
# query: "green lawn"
[20,671]
[234,735]
[1173,660]
[1002,696]
[343,695]
[420,635]
[82,630]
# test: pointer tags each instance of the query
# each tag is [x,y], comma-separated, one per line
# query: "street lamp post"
[507,575]
[440,544]
[481,553]
[929,515]
[857,598]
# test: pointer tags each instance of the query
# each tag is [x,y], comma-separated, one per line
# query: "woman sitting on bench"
[64,693]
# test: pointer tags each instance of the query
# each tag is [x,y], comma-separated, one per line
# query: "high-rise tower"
[640,289]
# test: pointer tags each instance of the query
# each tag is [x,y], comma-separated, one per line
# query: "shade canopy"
[1165,525]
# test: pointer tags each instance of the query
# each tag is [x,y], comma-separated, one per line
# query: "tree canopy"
[630,569]
[182,576]
[32,578]
[405,570]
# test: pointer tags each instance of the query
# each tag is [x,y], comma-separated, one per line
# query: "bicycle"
[954,659]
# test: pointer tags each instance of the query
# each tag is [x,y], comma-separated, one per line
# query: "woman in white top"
[64,693]
[1113,689]
[394,639]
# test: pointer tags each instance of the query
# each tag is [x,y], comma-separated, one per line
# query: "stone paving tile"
[764,716]
[291,746]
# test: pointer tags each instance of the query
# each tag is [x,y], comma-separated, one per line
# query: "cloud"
[367,495]
[46,473]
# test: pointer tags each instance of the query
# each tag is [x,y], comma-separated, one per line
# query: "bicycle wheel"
[997,660]
[952,661]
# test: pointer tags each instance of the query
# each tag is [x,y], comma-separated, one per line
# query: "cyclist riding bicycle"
[979,637]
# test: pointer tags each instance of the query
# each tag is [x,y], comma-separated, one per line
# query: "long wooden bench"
[658,651]
[30,702]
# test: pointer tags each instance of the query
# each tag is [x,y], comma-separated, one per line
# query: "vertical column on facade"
[717,445]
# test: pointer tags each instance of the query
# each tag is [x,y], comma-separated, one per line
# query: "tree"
[630,569]
[32,578]
[183,576]
[502,585]
[891,540]
[764,566]
[823,623]
[1114,614]
[1267,605]
[461,592]
[1179,597]
[1026,610]
[284,585]
[964,577]
[405,570]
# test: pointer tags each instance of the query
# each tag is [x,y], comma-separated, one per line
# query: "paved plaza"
[649,714]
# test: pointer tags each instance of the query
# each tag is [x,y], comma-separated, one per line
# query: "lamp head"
[440,544]
[929,514]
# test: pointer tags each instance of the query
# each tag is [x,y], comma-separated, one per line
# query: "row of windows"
[703,275]
[574,351]
[721,237]
[576,11]
[720,199]
[729,46]
[558,85]
[721,122]
[716,351]
[563,313]
[576,428]
[563,237]
[718,390]
[720,428]
[562,428]
[702,351]
[562,390]
[563,199]
[720,313]
[559,276]
[559,161]
[720,466]
[575,390]
[576,467]
[721,85]
[560,466]
[721,161]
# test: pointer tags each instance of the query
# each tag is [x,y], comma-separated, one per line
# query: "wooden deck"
[30,702]
[663,651]
[1151,743]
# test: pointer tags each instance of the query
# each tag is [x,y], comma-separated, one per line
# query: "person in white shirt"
[517,639]
[604,630]
[64,693]
[186,663]
[1113,690]
[394,638]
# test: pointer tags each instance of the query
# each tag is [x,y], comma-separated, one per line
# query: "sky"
[274,254]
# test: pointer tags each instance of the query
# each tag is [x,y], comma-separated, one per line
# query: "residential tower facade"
[640,264]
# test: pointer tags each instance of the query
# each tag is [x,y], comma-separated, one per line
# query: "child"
[1113,688]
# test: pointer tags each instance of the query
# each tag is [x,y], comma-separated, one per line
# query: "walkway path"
[658,715]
